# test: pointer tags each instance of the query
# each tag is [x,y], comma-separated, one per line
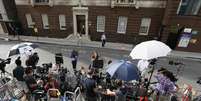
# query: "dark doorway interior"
[81,24]
[173,38]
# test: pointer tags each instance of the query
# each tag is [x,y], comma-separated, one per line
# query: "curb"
[91,46]
[74,44]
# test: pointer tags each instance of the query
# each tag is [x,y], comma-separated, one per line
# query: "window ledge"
[42,3]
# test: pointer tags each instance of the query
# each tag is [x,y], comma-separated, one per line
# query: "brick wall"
[111,14]
[53,17]
[172,19]
[133,24]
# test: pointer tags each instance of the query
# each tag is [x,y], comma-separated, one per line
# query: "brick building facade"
[8,17]
[126,21]
[181,14]
[121,19]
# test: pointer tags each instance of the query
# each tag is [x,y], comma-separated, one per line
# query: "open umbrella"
[149,50]
[123,70]
[22,48]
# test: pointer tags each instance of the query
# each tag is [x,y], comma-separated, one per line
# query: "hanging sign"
[184,40]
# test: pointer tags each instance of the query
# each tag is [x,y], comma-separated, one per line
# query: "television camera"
[44,69]
[3,63]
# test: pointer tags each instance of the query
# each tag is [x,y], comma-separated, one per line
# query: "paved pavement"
[87,43]
[46,53]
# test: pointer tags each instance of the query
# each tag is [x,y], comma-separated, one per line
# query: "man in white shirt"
[103,39]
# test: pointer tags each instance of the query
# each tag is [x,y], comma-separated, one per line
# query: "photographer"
[33,60]
[18,73]
[30,80]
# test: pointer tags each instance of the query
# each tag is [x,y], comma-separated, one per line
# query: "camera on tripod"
[44,69]
[3,64]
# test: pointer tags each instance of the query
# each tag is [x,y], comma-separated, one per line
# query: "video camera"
[3,64]
[44,69]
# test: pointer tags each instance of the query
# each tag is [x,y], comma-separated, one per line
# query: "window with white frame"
[145,24]
[100,24]
[30,23]
[62,22]
[41,1]
[125,1]
[122,24]
[45,21]
[189,7]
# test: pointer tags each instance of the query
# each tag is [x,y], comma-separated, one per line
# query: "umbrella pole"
[152,71]
[147,86]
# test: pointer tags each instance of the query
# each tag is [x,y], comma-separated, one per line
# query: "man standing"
[18,73]
[30,80]
[103,39]
[90,87]
[74,57]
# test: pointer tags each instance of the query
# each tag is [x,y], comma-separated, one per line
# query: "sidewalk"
[96,44]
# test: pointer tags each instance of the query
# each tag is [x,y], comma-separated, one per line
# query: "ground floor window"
[45,21]
[30,23]
[62,22]
[122,24]
[144,27]
[100,23]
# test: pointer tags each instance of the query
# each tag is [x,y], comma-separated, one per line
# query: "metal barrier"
[9,89]
[73,96]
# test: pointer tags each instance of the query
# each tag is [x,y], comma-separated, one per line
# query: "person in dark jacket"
[18,72]
[74,58]
[90,87]
[33,60]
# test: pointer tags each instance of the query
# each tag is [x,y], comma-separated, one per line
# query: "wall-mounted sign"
[187,30]
[194,32]
[193,41]
[184,40]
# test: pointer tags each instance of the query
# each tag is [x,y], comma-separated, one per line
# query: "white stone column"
[74,23]
[86,24]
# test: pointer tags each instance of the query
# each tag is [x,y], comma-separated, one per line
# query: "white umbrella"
[22,48]
[149,50]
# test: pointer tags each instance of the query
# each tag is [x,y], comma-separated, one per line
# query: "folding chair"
[73,96]
[53,95]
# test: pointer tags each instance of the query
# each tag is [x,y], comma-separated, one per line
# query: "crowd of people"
[90,80]
[94,83]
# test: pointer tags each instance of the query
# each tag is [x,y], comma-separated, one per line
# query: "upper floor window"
[41,1]
[189,7]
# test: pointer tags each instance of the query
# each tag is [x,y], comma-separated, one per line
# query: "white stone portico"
[80,11]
